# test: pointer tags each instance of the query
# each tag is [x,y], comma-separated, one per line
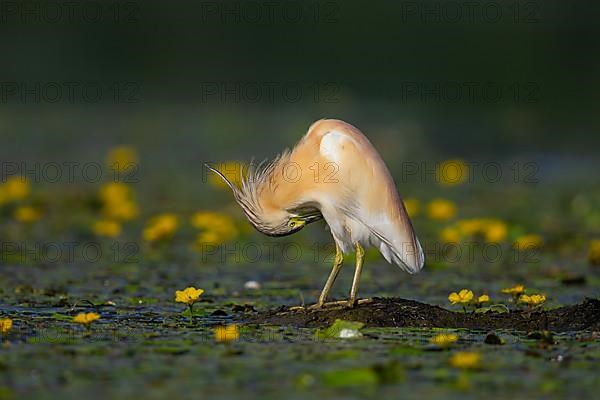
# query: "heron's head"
[266,217]
[278,222]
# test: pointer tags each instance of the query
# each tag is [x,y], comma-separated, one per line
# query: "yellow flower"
[484,298]
[465,359]
[27,214]
[117,202]
[495,231]
[227,333]
[114,192]
[594,252]
[492,230]
[217,228]
[530,241]
[16,188]
[441,209]
[188,296]
[444,339]
[462,297]
[3,196]
[86,319]
[107,228]
[450,235]
[122,158]
[124,211]
[412,206]
[452,172]
[233,170]
[471,226]
[214,221]
[208,239]
[533,300]
[5,325]
[161,227]
[515,290]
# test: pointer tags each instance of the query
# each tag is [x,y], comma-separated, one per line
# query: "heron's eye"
[292,224]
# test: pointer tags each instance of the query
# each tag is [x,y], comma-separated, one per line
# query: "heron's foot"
[332,304]
[304,308]
[319,306]
[354,303]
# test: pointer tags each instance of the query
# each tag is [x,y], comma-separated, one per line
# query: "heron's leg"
[360,256]
[337,266]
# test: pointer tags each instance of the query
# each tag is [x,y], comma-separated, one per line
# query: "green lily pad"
[341,329]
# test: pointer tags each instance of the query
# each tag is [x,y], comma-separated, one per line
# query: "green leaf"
[341,329]
[350,377]
[62,317]
[198,312]
[495,308]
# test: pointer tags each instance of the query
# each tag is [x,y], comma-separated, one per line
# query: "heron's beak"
[312,217]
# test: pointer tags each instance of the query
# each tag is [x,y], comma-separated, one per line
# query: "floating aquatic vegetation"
[27,214]
[490,229]
[217,228]
[86,319]
[484,298]
[106,227]
[188,296]
[441,209]
[530,241]
[228,333]
[594,252]
[117,201]
[532,300]
[514,291]
[6,325]
[122,159]
[161,227]
[452,172]
[462,297]
[16,188]
[444,339]
[341,329]
[466,360]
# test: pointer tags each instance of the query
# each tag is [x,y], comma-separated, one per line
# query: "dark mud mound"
[396,312]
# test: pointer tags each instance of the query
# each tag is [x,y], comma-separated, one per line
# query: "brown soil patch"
[396,312]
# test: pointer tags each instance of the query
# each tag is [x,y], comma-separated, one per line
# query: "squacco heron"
[334,173]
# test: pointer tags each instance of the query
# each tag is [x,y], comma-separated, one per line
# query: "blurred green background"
[510,88]
[187,82]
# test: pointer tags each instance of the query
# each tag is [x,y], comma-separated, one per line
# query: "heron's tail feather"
[398,242]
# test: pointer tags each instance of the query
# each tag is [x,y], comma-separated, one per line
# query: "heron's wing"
[370,193]
[406,253]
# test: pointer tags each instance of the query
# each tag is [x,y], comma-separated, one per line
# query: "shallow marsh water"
[144,344]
